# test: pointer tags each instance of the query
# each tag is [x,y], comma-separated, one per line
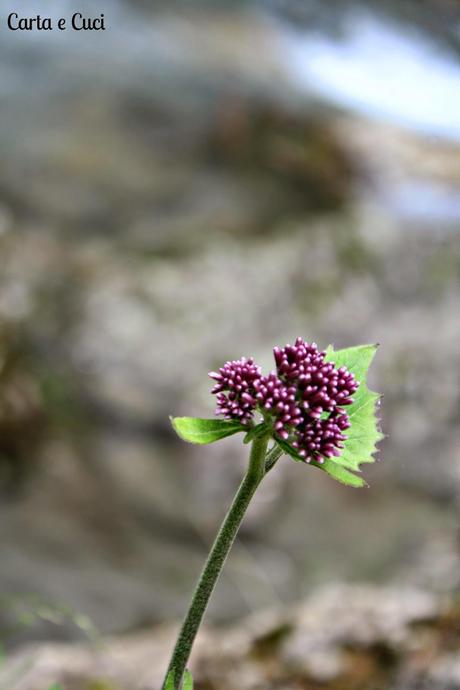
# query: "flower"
[317,439]
[321,387]
[279,401]
[302,400]
[237,380]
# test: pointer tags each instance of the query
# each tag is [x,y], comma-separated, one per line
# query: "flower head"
[235,389]
[303,399]
[316,439]
[321,387]
[278,401]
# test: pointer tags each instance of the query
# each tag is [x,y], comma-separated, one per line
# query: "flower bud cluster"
[237,378]
[321,438]
[278,400]
[321,387]
[303,399]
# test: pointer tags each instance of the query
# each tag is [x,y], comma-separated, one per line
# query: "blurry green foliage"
[26,611]
[101,685]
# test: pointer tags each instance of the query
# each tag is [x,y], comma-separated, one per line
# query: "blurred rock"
[356,637]
[23,418]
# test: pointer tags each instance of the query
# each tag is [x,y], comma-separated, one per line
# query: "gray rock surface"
[342,637]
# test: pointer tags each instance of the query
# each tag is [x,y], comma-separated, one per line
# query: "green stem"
[215,562]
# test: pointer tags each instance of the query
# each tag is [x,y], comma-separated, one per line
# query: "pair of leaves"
[187,684]
[363,434]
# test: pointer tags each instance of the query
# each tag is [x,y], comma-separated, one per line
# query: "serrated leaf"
[363,434]
[203,431]
[332,468]
[340,474]
[356,359]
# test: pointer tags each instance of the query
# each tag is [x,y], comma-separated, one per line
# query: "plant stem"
[216,560]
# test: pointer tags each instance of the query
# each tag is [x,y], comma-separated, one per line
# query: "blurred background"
[199,182]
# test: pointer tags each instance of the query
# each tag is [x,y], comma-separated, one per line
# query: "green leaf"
[363,434]
[187,685]
[188,681]
[55,687]
[356,359]
[340,474]
[169,685]
[333,469]
[203,431]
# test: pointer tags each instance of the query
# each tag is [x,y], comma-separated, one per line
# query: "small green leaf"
[203,431]
[55,687]
[187,684]
[188,681]
[250,436]
[256,432]
[169,685]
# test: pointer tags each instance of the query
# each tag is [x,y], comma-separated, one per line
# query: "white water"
[381,70]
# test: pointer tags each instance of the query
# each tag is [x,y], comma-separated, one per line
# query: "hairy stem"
[215,562]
